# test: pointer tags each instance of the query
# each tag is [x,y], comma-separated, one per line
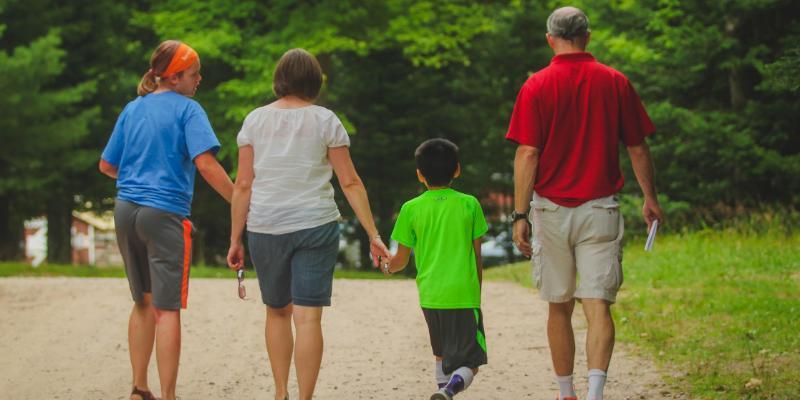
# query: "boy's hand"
[385,265]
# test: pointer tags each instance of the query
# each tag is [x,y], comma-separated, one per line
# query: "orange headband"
[184,57]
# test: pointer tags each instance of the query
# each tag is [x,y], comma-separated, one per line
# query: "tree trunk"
[11,232]
[363,244]
[738,99]
[59,236]
[199,255]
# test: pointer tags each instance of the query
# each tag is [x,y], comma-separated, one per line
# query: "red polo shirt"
[576,111]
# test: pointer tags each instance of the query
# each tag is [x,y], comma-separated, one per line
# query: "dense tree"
[719,79]
[39,124]
[98,49]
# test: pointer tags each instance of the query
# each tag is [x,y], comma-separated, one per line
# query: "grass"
[721,309]
[198,271]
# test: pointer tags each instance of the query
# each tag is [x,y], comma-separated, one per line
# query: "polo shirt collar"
[572,57]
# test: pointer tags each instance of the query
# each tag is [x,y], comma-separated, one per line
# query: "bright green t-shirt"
[440,225]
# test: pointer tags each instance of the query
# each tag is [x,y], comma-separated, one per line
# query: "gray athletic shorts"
[296,267]
[156,246]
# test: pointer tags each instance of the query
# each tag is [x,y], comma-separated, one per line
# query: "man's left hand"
[651,211]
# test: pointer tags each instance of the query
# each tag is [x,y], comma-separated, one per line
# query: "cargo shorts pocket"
[541,205]
[536,264]
[605,221]
[613,278]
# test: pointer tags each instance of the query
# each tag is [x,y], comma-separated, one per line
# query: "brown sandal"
[143,394]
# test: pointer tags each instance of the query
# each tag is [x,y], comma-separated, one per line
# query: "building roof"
[103,221]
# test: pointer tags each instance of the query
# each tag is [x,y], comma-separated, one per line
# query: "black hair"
[437,161]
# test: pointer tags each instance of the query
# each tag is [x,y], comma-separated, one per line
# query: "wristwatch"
[515,216]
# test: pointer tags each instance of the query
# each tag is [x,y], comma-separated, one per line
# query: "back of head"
[568,23]
[437,161]
[159,62]
[298,74]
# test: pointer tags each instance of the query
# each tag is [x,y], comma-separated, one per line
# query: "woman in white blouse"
[288,151]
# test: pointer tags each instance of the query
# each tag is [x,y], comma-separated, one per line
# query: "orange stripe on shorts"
[187,259]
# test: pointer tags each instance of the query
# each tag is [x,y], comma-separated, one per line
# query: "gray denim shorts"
[296,267]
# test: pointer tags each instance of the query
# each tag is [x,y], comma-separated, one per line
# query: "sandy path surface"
[65,338]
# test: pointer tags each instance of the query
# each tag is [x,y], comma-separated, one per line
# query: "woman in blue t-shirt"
[160,139]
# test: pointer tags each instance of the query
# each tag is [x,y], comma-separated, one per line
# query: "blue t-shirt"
[153,145]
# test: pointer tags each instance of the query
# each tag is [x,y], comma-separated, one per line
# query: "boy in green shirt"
[444,227]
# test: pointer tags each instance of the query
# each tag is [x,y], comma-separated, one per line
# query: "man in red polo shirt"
[568,121]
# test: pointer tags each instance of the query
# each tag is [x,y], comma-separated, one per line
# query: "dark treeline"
[720,80]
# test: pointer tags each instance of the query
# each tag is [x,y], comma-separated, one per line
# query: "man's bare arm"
[642,163]
[525,163]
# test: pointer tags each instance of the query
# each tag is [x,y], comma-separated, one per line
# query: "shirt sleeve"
[244,137]
[335,134]
[200,137]
[524,127]
[635,123]
[403,232]
[479,226]
[112,153]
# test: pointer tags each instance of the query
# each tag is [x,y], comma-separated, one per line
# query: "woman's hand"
[378,250]
[236,256]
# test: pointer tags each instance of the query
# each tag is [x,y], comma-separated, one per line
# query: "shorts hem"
[170,307]
[137,299]
[555,299]
[311,303]
[276,305]
[595,294]
[471,364]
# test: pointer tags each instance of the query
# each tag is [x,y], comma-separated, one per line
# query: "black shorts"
[457,337]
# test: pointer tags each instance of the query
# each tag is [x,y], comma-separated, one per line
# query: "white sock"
[441,378]
[465,374]
[565,386]
[597,380]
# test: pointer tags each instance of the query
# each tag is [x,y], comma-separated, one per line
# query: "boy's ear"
[421,178]
[458,171]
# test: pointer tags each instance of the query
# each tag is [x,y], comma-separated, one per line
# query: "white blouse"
[292,188]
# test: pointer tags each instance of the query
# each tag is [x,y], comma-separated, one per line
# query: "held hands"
[381,256]
[522,237]
[386,265]
[236,255]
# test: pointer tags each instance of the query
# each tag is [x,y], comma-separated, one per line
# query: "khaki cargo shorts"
[577,245]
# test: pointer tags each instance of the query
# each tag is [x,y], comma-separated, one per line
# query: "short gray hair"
[568,23]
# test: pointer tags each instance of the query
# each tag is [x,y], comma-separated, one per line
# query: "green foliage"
[41,123]
[782,75]
[718,79]
[398,71]
[716,308]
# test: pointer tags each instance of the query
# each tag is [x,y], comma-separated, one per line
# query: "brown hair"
[298,73]
[159,62]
